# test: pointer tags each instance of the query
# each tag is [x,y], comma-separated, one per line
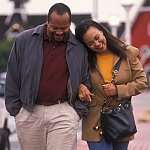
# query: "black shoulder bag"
[118,122]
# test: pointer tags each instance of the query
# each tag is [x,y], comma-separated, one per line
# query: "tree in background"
[5,47]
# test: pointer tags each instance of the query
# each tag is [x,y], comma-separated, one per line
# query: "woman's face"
[95,40]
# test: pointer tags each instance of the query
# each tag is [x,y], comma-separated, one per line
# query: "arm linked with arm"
[82,106]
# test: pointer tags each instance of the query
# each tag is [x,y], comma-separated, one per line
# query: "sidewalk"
[141,103]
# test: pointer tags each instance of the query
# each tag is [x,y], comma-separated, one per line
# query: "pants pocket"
[21,116]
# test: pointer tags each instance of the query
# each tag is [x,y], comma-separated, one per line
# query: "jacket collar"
[72,39]
[40,30]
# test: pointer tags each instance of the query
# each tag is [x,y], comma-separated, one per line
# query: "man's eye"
[63,29]
[54,28]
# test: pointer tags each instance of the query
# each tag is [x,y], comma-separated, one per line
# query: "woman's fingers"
[84,93]
[110,89]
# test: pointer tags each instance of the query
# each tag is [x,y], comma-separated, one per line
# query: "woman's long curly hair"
[114,44]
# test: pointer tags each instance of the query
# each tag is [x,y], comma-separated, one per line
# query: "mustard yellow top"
[105,63]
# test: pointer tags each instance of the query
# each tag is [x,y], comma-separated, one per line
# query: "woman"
[104,51]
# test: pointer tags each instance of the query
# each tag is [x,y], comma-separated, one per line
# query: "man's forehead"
[59,20]
[55,25]
[55,15]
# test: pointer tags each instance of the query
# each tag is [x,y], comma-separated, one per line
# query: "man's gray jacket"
[24,71]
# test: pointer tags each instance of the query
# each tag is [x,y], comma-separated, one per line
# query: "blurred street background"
[127,19]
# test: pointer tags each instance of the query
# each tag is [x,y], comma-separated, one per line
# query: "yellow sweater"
[105,63]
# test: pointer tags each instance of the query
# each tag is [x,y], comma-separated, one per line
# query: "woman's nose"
[97,43]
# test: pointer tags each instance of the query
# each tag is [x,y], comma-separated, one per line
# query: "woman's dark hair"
[60,9]
[114,44]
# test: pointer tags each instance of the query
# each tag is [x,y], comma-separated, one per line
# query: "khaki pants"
[48,128]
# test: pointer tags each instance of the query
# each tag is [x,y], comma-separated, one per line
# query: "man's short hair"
[60,9]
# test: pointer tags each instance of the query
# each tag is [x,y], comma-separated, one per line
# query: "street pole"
[127,7]
[95,10]
[114,23]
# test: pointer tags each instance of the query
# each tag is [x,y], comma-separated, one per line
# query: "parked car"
[3,76]
[2,88]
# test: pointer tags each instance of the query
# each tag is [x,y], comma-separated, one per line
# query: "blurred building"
[12,25]
[16,25]
[141,33]
[141,36]
[19,20]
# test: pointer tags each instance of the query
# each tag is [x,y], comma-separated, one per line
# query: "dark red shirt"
[54,75]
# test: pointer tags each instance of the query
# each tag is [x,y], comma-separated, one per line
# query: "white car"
[2,88]
[3,76]
[2,83]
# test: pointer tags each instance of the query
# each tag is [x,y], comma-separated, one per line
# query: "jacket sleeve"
[82,106]
[12,86]
[139,81]
[86,73]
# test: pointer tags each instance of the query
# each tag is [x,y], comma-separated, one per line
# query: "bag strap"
[115,72]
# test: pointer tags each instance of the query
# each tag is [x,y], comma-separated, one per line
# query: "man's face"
[58,26]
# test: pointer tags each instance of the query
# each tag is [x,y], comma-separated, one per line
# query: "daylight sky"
[106,8]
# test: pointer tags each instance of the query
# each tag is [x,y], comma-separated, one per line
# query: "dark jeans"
[103,145]
[120,145]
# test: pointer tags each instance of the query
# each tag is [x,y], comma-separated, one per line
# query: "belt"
[49,103]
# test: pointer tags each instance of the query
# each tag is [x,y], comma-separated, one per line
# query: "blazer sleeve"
[139,80]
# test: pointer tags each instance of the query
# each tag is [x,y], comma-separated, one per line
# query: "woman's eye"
[90,44]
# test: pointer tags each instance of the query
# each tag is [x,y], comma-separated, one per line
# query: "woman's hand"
[110,89]
[84,93]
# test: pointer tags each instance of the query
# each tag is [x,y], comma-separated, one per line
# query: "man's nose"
[59,32]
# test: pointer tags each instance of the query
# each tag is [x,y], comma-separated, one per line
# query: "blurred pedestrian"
[45,68]
[104,52]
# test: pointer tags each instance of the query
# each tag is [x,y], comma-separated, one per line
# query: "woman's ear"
[102,32]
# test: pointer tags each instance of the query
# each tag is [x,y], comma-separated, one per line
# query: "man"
[45,68]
